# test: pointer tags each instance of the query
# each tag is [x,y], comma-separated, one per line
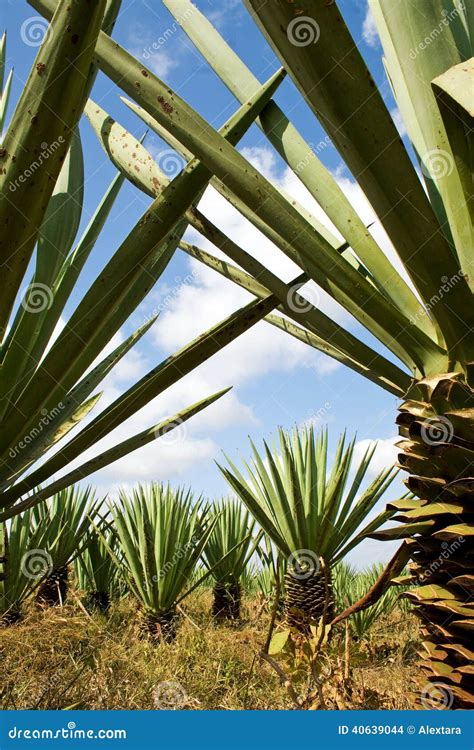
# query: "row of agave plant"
[159,544]
[418,310]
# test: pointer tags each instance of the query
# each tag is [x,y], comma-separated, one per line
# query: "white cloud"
[198,300]
[149,49]
[385,454]
[398,120]
[160,63]
[369,30]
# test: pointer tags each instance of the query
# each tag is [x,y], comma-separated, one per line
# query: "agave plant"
[227,553]
[62,527]
[308,515]
[350,585]
[27,565]
[162,533]
[97,570]
[423,318]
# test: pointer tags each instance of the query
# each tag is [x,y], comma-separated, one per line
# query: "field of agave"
[264,572]
[151,557]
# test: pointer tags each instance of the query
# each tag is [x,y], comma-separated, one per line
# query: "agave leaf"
[297,307]
[4,99]
[228,548]
[124,282]
[56,236]
[113,454]
[63,215]
[301,157]
[343,344]
[283,502]
[419,64]
[362,130]
[343,281]
[141,393]
[452,90]
[310,262]
[73,409]
[62,64]
[133,159]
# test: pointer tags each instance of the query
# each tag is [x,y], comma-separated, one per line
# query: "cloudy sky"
[276,380]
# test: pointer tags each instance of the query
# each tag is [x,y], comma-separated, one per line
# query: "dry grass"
[64,658]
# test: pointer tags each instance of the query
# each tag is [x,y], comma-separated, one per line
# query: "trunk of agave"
[53,590]
[11,617]
[437,426]
[305,598]
[98,601]
[160,626]
[227,597]
[9,614]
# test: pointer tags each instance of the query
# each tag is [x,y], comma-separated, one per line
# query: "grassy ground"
[65,658]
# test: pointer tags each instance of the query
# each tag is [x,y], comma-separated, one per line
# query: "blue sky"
[277,380]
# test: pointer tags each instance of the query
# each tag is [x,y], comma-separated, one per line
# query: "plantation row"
[158,544]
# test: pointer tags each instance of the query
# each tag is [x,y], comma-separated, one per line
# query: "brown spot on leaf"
[40,68]
[75,38]
[165,106]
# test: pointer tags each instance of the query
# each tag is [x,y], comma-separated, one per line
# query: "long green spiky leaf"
[56,236]
[127,278]
[327,336]
[69,412]
[419,63]
[338,87]
[113,454]
[343,281]
[153,383]
[39,135]
[301,157]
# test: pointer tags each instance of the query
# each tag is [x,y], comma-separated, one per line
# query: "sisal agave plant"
[65,522]
[227,553]
[162,533]
[28,564]
[309,514]
[423,318]
[97,572]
